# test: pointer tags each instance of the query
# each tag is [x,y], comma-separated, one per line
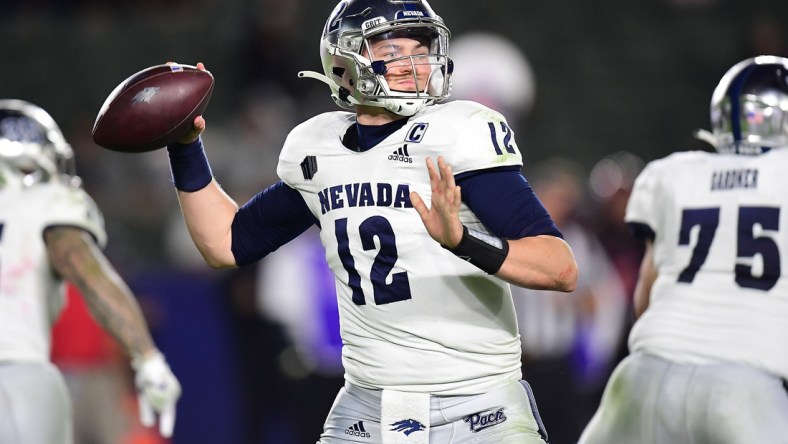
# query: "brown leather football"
[153,108]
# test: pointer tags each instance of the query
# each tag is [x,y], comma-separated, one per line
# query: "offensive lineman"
[708,358]
[51,231]
[422,266]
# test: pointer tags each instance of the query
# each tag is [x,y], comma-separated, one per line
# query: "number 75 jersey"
[413,316]
[721,240]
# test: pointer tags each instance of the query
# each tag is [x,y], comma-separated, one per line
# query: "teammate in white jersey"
[708,358]
[422,257]
[52,231]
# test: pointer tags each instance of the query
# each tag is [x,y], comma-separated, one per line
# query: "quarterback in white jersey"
[708,355]
[363,198]
[422,257]
[52,231]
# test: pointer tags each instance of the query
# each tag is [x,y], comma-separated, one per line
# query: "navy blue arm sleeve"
[504,202]
[272,218]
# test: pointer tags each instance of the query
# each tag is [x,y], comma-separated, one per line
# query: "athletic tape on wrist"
[189,166]
[138,361]
[482,250]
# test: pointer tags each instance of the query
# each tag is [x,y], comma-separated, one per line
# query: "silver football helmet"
[749,107]
[32,147]
[356,77]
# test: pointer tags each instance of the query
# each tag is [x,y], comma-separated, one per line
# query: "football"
[153,108]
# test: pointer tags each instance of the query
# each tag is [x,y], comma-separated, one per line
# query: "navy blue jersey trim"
[272,218]
[468,174]
[363,137]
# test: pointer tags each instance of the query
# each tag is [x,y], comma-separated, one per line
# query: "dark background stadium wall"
[611,75]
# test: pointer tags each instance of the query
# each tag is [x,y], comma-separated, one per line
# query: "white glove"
[157,392]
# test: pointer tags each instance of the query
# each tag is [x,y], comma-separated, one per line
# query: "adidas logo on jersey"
[401,155]
[357,429]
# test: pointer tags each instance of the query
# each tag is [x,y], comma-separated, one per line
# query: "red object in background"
[77,339]
[80,344]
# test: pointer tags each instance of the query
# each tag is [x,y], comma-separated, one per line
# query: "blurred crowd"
[257,349]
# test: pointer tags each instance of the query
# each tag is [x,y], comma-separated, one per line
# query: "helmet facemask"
[356,58]
[415,60]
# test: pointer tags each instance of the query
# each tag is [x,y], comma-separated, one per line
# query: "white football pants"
[504,415]
[35,407]
[649,400]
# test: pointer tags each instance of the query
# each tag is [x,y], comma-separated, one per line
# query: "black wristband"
[189,166]
[482,250]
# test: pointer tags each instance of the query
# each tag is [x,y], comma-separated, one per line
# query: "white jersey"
[721,252]
[31,296]
[413,316]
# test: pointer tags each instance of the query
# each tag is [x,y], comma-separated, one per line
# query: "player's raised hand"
[199,121]
[442,219]
[197,129]
[158,392]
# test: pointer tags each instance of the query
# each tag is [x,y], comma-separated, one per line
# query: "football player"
[422,257]
[708,359]
[51,231]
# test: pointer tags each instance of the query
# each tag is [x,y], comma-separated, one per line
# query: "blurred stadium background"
[602,83]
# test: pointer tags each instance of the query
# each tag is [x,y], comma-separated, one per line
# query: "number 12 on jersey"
[398,289]
[507,135]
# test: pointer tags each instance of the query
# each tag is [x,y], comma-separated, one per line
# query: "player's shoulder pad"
[482,138]
[461,111]
[658,176]
[673,162]
[68,204]
[330,124]
[685,157]
[311,138]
